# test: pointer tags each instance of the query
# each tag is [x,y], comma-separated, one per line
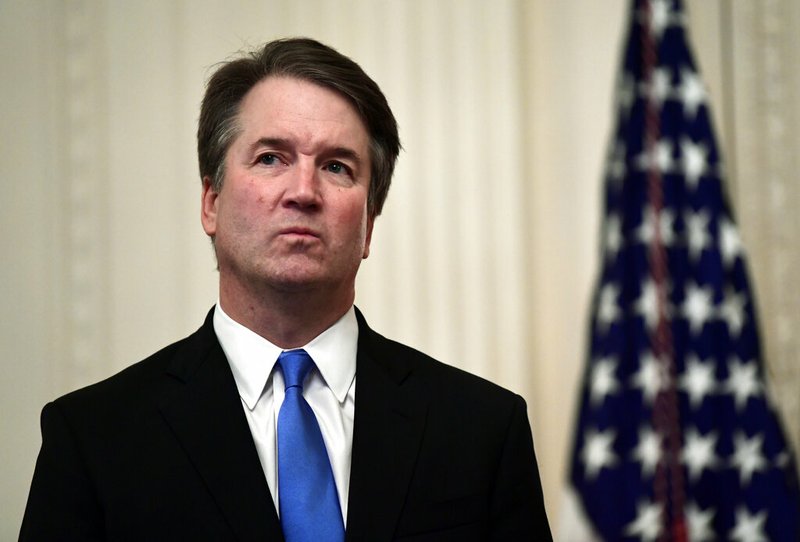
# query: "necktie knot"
[295,365]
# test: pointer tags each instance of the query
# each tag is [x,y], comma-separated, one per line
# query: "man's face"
[292,211]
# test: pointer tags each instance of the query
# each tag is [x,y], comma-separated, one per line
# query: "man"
[253,427]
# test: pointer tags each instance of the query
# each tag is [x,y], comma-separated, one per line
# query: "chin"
[296,281]
[295,286]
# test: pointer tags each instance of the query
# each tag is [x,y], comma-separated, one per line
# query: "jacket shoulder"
[145,380]
[456,385]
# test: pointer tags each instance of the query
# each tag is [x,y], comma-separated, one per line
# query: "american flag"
[676,436]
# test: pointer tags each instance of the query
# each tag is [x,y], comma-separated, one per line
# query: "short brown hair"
[311,61]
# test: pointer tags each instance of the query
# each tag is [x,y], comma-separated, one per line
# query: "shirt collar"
[252,358]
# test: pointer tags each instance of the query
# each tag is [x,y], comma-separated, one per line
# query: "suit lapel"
[390,413]
[205,414]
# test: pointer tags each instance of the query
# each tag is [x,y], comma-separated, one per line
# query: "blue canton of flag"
[676,437]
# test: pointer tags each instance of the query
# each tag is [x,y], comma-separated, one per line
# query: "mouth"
[300,232]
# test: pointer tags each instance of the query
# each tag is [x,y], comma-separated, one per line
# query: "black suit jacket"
[163,451]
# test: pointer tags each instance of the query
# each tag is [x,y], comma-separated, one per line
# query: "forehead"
[307,110]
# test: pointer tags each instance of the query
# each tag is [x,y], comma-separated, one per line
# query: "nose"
[303,190]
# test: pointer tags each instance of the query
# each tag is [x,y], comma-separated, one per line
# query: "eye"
[268,159]
[337,168]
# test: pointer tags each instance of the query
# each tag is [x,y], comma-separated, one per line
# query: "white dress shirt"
[329,389]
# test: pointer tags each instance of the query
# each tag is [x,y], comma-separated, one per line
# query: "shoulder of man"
[450,382]
[145,380]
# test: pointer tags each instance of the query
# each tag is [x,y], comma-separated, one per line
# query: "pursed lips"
[300,232]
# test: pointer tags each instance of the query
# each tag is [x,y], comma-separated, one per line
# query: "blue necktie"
[309,504]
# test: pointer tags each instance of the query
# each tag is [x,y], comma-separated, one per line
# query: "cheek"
[246,206]
[250,195]
[356,218]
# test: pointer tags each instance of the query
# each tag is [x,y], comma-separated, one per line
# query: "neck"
[288,319]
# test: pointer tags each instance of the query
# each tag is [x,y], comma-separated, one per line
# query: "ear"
[368,239]
[208,208]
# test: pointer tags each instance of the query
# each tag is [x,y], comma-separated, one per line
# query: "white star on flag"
[660,89]
[660,157]
[698,236]
[742,382]
[616,164]
[613,236]
[647,525]
[701,528]
[691,92]
[732,311]
[597,453]
[694,160]
[698,306]
[650,378]
[698,452]
[647,304]
[608,310]
[730,244]
[698,380]
[749,527]
[648,450]
[647,230]
[603,380]
[626,95]
[661,17]
[747,456]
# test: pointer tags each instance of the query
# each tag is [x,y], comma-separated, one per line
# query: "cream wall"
[485,254]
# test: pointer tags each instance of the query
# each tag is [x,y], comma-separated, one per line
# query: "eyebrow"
[277,142]
[283,143]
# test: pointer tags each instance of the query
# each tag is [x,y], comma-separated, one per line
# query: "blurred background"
[487,250]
